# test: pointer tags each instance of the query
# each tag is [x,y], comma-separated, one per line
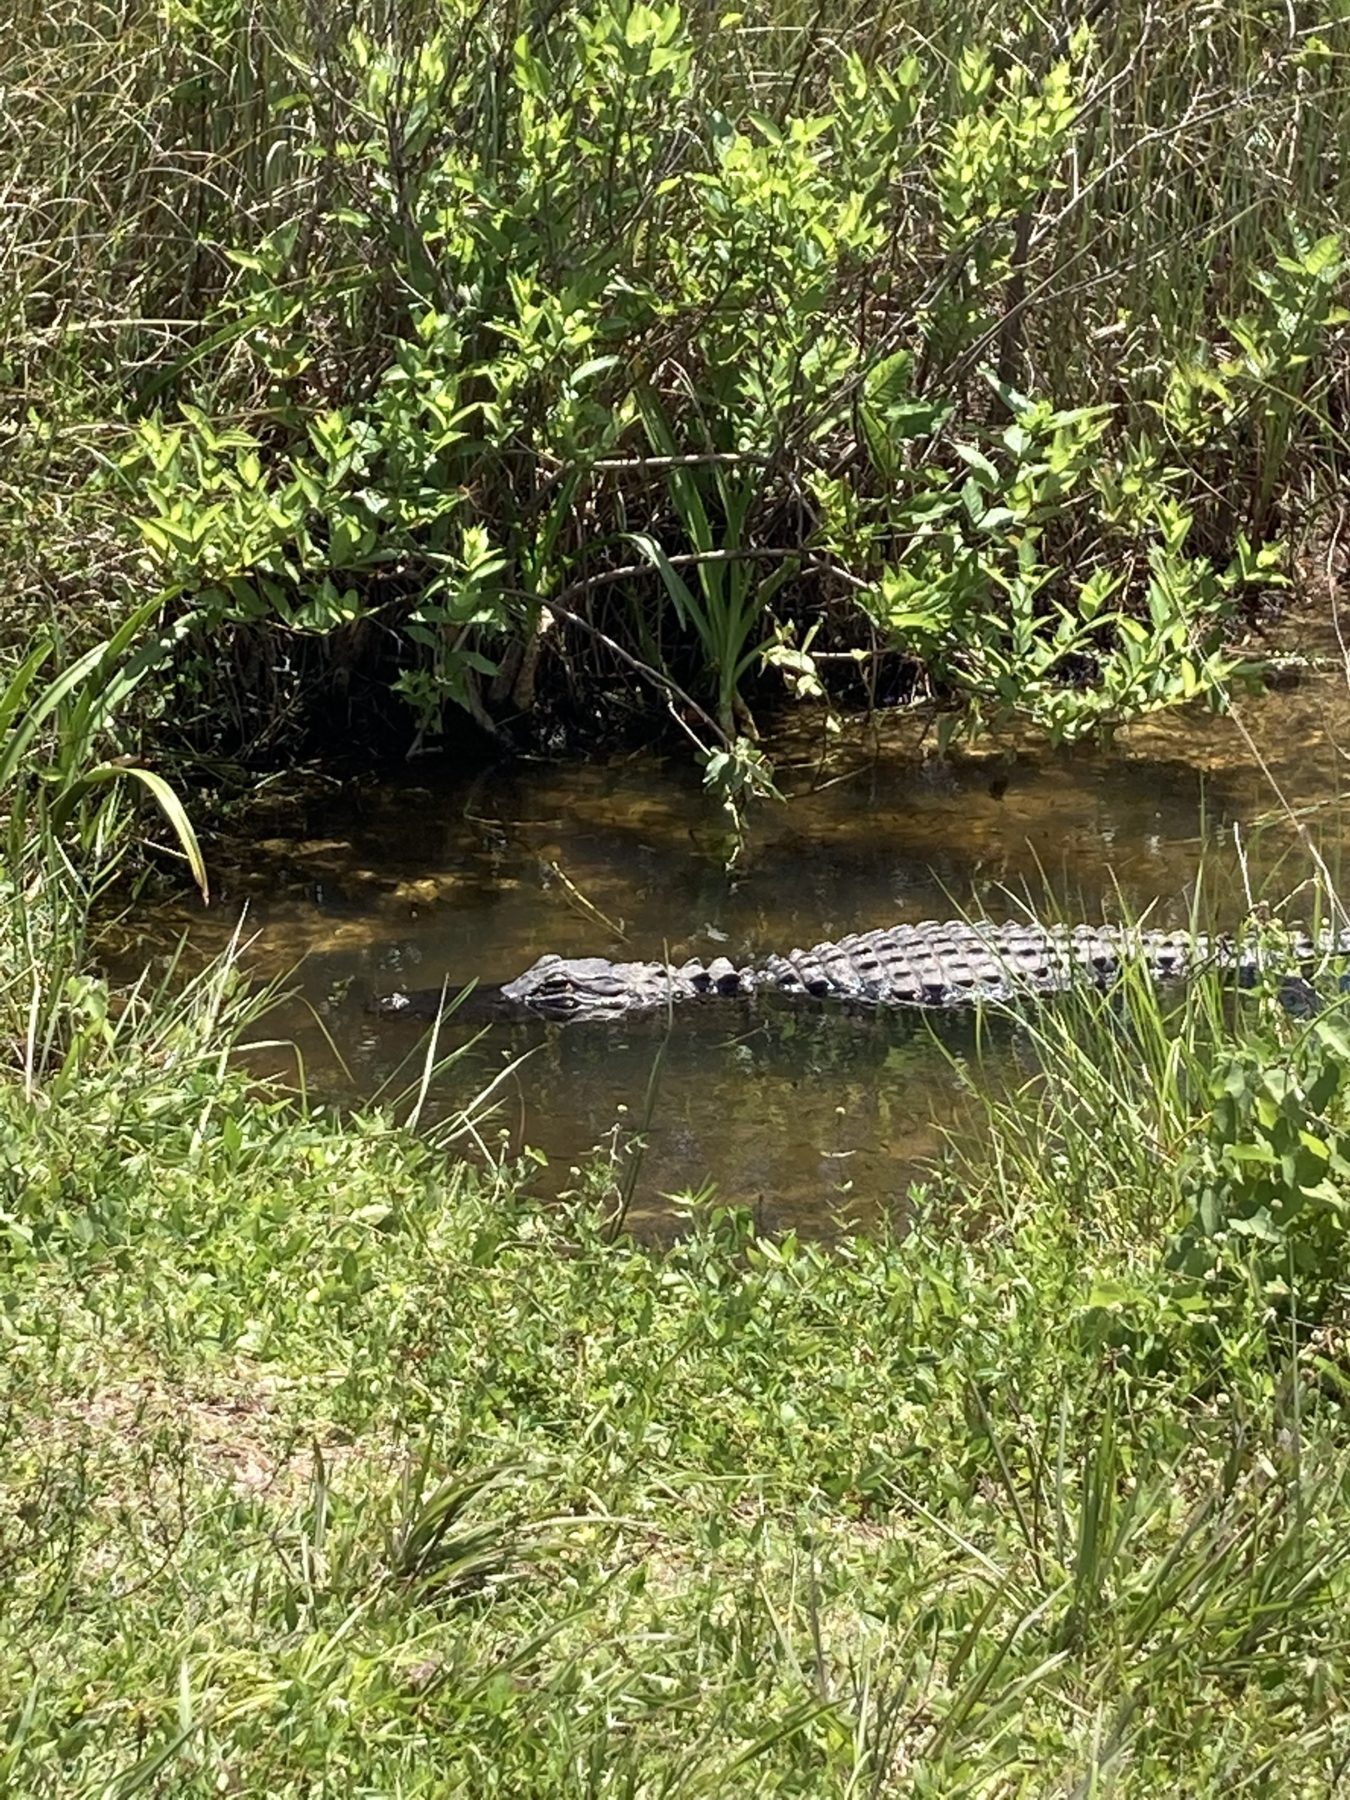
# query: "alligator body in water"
[934,965]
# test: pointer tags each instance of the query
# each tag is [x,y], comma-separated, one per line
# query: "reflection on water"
[801,1114]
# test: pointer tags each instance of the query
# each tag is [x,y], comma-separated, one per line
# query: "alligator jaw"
[593,988]
[481,1002]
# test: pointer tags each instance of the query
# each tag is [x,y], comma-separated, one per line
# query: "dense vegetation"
[367,363]
[579,364]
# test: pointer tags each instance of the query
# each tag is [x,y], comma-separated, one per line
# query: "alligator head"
[591,987]
[574,988]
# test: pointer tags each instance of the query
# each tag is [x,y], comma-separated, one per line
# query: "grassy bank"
[334,1466]
[365,366]
[569,370]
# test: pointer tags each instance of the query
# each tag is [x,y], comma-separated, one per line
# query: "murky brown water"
[801,1115]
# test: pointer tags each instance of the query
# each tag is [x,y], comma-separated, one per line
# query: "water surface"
[809,1116]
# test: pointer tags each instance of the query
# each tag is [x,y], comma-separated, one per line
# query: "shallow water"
[809,1116]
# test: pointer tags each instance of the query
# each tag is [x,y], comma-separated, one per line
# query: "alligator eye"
[557,995]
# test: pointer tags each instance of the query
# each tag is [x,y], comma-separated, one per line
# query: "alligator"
[930,965]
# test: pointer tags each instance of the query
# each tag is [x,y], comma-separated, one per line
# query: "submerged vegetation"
[362,365]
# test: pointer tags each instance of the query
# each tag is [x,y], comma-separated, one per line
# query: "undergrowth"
[621,361]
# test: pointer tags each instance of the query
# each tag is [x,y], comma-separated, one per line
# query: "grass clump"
[334,1465]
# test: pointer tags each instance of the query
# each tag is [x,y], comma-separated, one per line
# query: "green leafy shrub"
[923,341]
[1268,1178]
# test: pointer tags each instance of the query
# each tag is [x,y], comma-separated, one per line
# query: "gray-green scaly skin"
[935,964]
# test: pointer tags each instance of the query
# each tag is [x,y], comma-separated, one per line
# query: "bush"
[631,344]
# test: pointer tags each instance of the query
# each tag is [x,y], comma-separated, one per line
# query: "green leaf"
[168,801]
[686,607]
[1257,1225]
[980,466]
[1108,1294]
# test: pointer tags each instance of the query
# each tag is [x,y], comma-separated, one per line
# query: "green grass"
[331,1466]
[335,1465]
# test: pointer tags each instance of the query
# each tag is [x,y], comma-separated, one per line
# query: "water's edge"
[430,876]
